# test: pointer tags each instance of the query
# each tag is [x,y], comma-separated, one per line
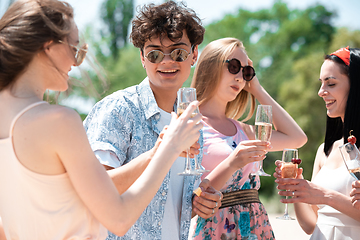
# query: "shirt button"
[163,193]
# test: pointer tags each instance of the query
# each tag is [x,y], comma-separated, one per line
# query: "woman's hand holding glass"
[194,149]
[355,194]
[299,189]
[289,169]
[184,130]
[247,152]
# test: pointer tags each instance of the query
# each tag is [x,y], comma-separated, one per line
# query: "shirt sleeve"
[107,158]
[109,126]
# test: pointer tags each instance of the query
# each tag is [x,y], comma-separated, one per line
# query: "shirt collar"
[147,98]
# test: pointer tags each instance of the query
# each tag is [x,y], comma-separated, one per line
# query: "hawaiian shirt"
[125,123]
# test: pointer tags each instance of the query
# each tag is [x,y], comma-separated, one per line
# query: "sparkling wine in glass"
[263,129]
[184,97]
[351,156]
[288,170]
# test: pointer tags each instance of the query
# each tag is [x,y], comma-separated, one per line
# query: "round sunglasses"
[80,53]
[234,67]
[178,55]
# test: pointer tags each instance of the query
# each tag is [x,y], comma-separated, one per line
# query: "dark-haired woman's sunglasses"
[80,53]
[178,55]
[234,67]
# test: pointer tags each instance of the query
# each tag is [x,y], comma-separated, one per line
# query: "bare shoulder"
[47,119]
[320,156]
[61,119]
[319,160]
[320,149]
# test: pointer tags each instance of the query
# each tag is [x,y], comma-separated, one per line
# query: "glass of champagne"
[289,169]
[184,97]
[351,156]
[263,129]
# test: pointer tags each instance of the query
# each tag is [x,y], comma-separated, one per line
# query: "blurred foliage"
[287,48]
[117,15]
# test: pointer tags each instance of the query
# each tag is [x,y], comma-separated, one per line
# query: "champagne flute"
[263,129]
[288,170]
[184,97]
[351,156]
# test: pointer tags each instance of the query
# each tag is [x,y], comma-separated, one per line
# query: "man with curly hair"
[124,127]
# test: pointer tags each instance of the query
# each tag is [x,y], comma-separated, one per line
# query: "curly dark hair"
[166,20]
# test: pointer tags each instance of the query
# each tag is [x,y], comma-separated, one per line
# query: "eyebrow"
[331,77]
[172,45]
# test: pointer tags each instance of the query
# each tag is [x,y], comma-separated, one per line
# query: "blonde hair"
[208,74]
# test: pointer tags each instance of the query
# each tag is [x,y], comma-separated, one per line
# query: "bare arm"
[125,175]
[92,183]
[2,233]
[287,133]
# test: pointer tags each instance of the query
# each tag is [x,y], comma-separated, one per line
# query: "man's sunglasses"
[178,55]
[234,67]
[80,53]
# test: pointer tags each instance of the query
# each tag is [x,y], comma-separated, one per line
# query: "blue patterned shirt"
[125,123]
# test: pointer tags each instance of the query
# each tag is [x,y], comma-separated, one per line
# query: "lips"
[329,103]
[236,88]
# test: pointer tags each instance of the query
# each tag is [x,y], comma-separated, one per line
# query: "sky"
[87,11]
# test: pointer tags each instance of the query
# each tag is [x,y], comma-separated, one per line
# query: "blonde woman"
[226,84]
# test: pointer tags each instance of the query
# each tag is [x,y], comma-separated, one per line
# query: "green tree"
[117,15]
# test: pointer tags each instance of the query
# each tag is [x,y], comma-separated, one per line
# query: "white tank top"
[37,206]
[331,223]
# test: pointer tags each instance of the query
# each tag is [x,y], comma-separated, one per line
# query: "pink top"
[42,207]
[245,221]
[217,147]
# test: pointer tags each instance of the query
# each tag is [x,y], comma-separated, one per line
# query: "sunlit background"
[287,41]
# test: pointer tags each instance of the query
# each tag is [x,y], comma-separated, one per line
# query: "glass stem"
[187,164]
[286,207]
[261,164]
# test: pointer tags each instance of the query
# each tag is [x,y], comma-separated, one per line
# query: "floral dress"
[247,221]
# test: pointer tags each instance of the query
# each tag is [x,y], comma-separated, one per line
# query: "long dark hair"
[335,128]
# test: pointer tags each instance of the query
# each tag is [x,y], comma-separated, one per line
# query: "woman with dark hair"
[323,205]
[52,185]
[226,84]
